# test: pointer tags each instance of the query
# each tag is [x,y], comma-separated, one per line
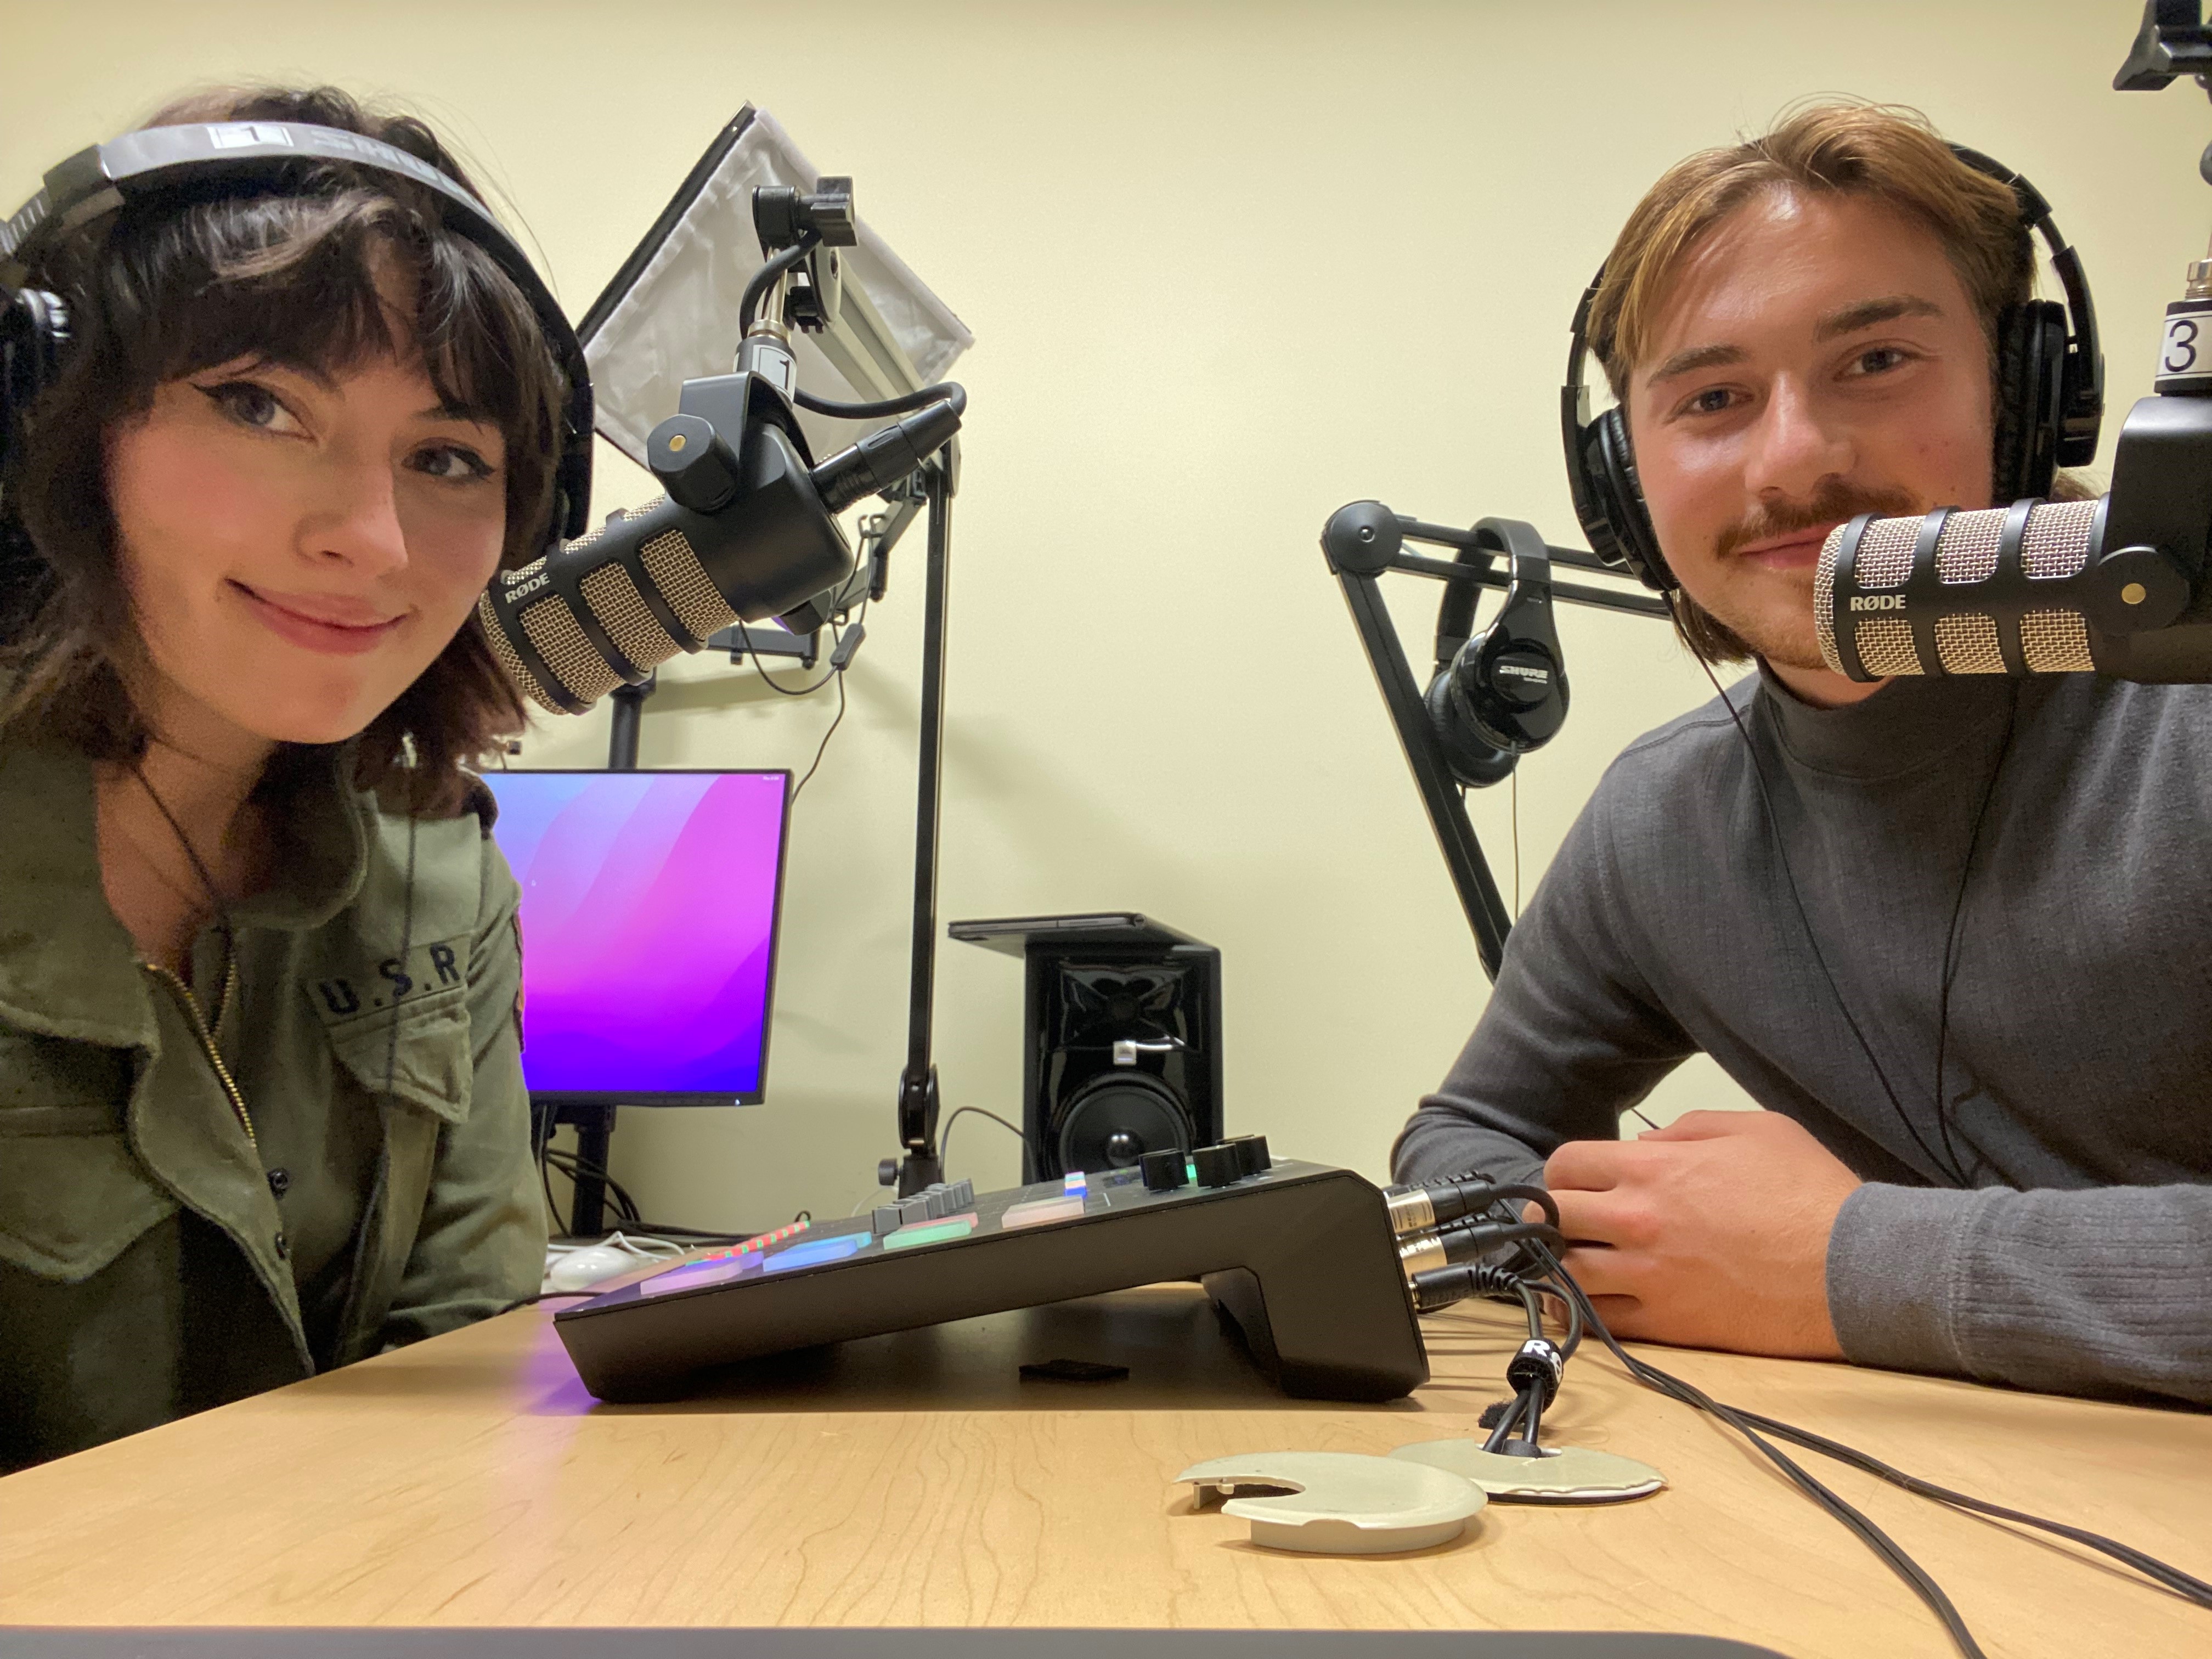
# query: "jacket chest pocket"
[419,1052]
[73,1195]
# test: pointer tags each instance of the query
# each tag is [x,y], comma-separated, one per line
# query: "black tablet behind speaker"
[1120,1036]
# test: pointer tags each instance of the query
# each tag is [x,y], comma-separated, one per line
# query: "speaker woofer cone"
[1113,1122]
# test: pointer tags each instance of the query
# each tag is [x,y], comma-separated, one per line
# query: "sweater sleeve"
[1571,1037]
[2101,1290]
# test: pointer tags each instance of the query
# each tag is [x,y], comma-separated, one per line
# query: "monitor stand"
[595,1127]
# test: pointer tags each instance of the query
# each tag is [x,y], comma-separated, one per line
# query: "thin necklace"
[199,869]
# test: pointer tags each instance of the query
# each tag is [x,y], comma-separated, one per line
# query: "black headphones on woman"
[231,157]
[2050,401]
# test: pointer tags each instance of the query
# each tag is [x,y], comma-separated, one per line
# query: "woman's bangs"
[480,342]
[283,279]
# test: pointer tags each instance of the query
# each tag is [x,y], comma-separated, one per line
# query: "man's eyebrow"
[1697,357]
[1868,313]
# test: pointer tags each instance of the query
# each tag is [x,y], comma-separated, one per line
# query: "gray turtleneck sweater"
[2054,1229]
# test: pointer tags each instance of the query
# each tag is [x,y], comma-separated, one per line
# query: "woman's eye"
[250,404]
[452,463]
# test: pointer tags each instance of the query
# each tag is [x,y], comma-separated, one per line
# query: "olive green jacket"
[340,1164]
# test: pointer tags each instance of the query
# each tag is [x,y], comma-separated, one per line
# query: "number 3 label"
[2183,354]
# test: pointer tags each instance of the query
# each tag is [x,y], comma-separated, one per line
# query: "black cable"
[764,278]
[1950,968]
[1540,1197]
[1837,1508]
[945,392]
[945,1136]
[579,1169]
[545,1180]
[625,1208]
[1754,1426]
[773,684]
[1532,1418]
[837,639]
[1805,921]
[1535,1309]
[1513,779]
[822,747]
[2185,1584]
[1460,1242]
[1573,1339]
[1511,1421]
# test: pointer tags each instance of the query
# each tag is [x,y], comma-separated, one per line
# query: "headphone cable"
[1805,921]
[1950,968]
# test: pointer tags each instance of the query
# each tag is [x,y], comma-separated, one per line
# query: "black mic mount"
[748,528]
[1517,698]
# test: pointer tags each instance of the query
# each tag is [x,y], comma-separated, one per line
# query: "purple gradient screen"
[649,927]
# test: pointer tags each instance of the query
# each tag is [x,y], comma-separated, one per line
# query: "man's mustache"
[1826,506]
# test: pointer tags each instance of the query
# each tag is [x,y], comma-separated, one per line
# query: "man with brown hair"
[1950,934]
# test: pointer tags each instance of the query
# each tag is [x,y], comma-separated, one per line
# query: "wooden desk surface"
[914,1480]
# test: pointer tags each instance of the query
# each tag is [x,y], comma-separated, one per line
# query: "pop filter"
[671,312]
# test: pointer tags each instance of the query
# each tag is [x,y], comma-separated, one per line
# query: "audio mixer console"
[1300,1255]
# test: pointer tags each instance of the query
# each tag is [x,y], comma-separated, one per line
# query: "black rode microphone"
[2121,586]
[740,536]
[2032,588]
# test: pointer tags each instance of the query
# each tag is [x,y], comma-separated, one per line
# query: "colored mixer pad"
[931,1232]
[1038,1212]
[696,1275]
[815,1252]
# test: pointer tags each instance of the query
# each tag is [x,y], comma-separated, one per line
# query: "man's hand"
[1711,1233]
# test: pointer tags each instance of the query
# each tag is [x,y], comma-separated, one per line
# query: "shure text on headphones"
[1521,672]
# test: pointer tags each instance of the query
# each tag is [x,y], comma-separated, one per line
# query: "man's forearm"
[2103,1291]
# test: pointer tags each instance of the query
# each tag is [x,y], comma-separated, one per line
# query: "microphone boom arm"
[1358,572]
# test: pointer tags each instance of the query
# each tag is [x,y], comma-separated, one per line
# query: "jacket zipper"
[192,1006]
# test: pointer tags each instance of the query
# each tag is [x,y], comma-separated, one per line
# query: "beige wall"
[1229,266]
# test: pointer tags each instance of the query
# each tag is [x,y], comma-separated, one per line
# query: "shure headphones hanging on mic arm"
[1495,694]
[1501,692]
[747,528]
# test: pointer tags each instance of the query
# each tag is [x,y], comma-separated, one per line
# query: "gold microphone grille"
[615,601]
[677,572]
[1886,647]
[509,664]
[2054,544]
[1968,644]
[2056,642]
[581,671]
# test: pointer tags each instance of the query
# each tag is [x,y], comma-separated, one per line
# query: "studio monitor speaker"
[1121,1038]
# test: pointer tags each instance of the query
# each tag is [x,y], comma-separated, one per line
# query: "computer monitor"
[650,910]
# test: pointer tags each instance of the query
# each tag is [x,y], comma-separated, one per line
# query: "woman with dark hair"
[261,1101]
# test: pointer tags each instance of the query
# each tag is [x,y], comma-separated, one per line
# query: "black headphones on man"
[2049,402]
[229,157]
